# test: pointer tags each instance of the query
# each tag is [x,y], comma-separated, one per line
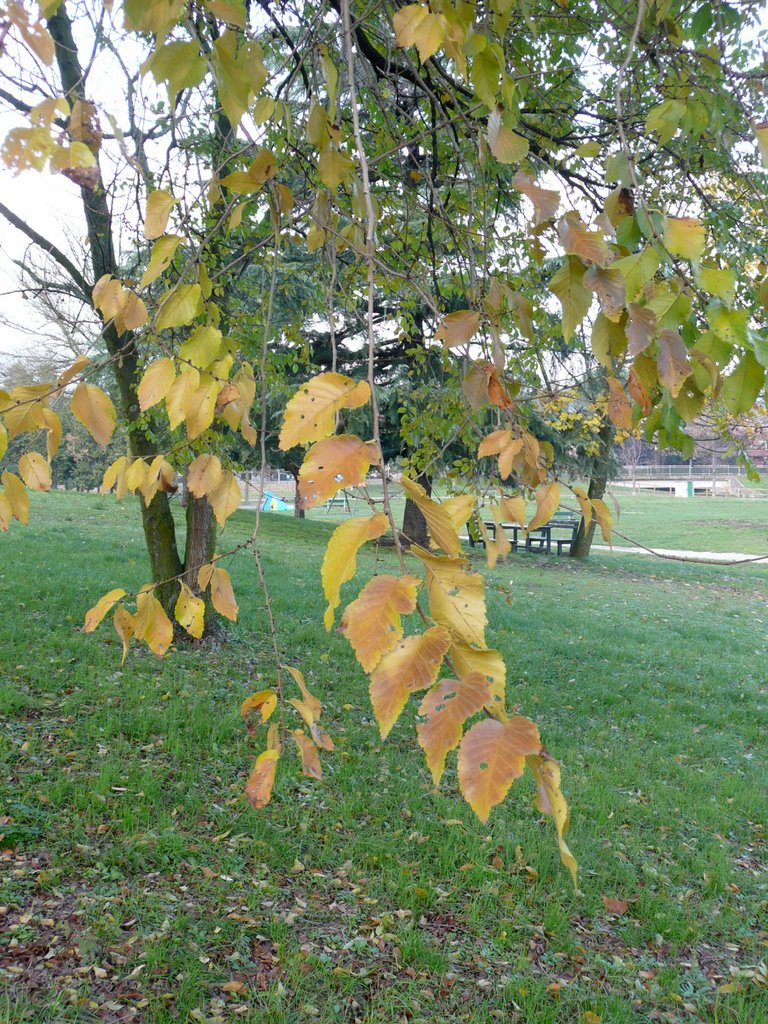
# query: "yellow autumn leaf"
[73,370]
[550,800]
[491,756]
[136,474]
[35,471]
[486,662]
[258,789]
[547,503]
[603,517]
[265,702]
[22,408]
[190,611]
[202,346]
[311,413]
[333,464]
[53,432]
[94,615]
[584,504]
[160,258]
[186,382]
[199,406]
[204,475]
[503,444]
[459,508]
[222,595]
[123,623]
[156,382]
[179,307]
[94,409]
[259,172]
[372,623]
[3,440]
[506,146]
[225,499]
[685,237]
[340,559]
[442,531]
[159,206]
[151,624]
[333,167]
[312,703]
[444,710]
[415,25]
[16,496]
[310,760]
[456,597]
[412,665]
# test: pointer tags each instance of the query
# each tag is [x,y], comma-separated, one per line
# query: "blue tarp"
[271,503]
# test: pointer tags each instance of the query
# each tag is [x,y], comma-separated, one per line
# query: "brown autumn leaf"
[672,361]
[371,623]
[458,328]
[614,906]
[258,789]
[445,709]
[333,464]
[310,760]
[641,328]
[619,406]
[610,288]
[412,665]
[491,756]
[578,240]
[545,201]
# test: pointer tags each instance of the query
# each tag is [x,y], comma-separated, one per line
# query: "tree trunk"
[158,522]
[414,523]
[597,483]
[298,511]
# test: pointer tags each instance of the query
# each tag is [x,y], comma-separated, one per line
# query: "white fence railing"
[686,472]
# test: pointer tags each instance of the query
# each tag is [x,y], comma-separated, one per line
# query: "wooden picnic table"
[560,530]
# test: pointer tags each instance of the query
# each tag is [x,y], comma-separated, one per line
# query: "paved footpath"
[686,556]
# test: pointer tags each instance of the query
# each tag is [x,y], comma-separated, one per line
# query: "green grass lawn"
[136,883]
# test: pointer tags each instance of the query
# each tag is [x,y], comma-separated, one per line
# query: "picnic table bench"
[561,531]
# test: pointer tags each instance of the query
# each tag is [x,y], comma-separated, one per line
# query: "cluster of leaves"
[493,751]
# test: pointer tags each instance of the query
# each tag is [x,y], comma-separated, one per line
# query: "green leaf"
[664,120]
[741,388]
[179,307]
[567,285]
[485,75]
[333,167]
[637,270]
[180,65]
[720,283]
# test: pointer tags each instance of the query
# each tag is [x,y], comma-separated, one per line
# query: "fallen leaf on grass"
[614,906]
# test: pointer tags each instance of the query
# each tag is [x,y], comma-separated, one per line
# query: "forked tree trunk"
[414,523]
[597,484]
